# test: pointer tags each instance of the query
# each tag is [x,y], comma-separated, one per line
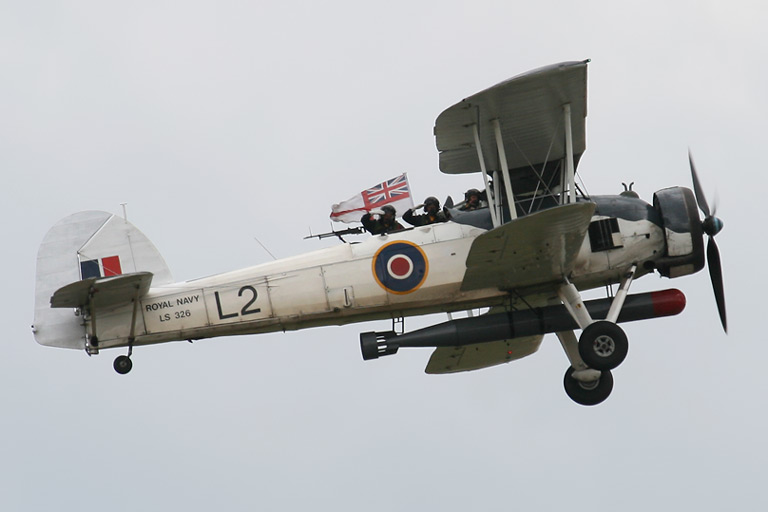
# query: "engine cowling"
[683,235]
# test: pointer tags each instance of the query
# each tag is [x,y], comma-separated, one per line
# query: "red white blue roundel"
[400,267]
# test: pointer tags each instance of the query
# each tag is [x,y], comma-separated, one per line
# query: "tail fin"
[87,245]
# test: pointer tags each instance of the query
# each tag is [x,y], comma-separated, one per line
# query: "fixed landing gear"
[122,364]
[603,345]
[591,392]
[601,348]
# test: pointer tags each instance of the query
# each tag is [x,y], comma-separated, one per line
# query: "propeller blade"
[700,198]
[716,274]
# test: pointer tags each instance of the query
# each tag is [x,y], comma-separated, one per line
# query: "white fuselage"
[342,284]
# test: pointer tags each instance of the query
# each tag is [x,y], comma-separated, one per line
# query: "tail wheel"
[588,393]
[123,364]
[603,345]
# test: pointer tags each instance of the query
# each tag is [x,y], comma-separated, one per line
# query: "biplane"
[525,258]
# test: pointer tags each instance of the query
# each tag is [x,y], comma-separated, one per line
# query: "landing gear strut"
[123,364]
[601,347]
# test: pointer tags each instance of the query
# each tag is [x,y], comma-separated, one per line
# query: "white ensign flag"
[395,192]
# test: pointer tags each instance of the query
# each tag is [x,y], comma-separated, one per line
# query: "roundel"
[400,267]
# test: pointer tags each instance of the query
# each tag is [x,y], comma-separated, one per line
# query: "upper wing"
[532,250]
[529,108]
[481,355]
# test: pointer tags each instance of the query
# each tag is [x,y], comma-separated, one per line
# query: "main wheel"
[588,393]
[603,345]
[123,364]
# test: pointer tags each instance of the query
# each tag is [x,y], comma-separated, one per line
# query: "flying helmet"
[471,192]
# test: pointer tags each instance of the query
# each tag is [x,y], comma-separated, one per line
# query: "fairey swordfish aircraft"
[527,255]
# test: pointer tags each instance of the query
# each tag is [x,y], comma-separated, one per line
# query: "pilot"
[386,223]
[432,213]
[471,200]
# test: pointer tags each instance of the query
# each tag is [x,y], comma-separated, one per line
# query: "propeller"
[711,226]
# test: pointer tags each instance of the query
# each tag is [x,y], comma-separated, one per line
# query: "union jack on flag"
[394,192]
[387,192]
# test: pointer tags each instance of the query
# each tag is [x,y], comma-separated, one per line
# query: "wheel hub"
[604,346]
[589,386]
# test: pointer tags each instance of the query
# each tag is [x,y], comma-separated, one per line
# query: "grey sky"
[218,122]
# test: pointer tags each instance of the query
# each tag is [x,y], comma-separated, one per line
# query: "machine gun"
[339,234]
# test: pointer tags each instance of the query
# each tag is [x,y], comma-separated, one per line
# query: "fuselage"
[412,272]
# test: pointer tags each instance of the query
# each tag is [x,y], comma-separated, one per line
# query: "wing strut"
[495,216]
[499,214]
[569,168]
[505,169]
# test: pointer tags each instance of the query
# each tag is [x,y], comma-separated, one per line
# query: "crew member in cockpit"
[471,200]
[385,223]
[432,213]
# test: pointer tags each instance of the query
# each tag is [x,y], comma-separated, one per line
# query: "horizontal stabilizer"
[481,355]
[103,292]
[536,249]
